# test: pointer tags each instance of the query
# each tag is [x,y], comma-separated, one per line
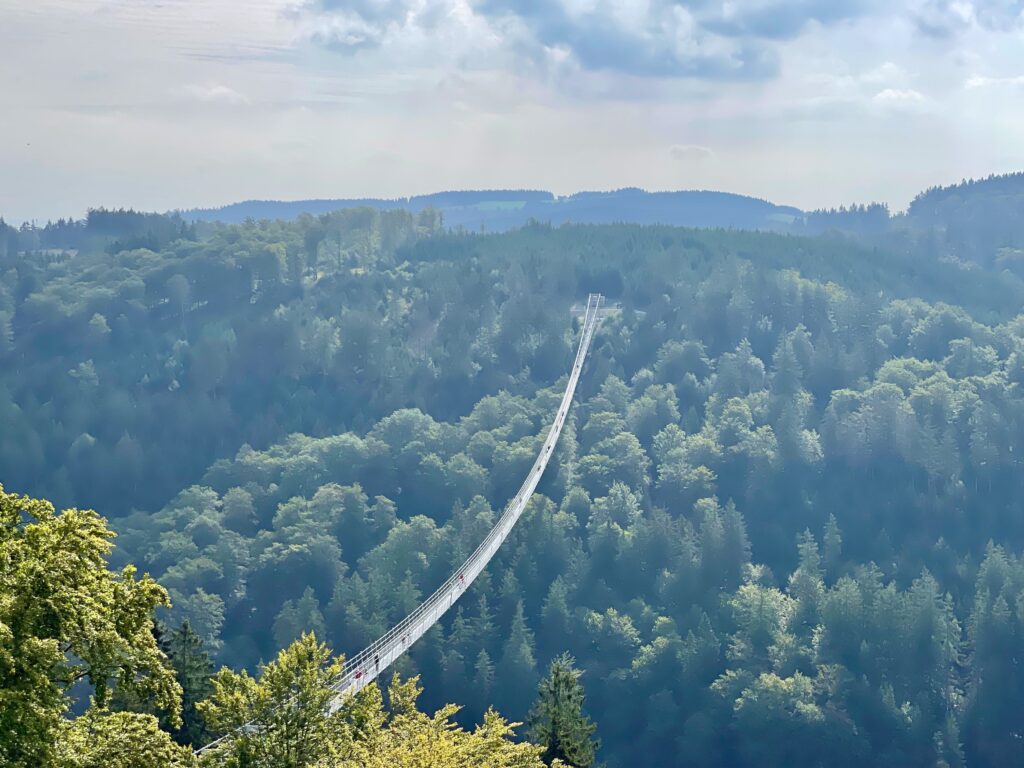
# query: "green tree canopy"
[65,618]
[557,722]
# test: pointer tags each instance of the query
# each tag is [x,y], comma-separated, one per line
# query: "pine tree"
[701,653]
[555,629]
[788,374]
[453,671]
[832,548]
[517,670]
[460,638]
[193,669]
[298,617]
[508,597]
[735,544]
[556,720]
[482,626]
[483,684]
[806,586]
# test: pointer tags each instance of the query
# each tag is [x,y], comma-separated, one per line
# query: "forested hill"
[500,210]
[978,220]
[128,371]
[782,527]
[981,220]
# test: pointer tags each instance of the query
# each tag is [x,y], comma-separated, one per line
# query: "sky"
[165,104]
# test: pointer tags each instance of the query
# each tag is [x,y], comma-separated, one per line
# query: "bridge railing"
[365,666]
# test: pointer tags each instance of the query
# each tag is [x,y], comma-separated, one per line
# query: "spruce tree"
[557,722]
[517,670]
[832,548]
[482,626]
[555,625]
[483,685]
[193,669]
[298,617]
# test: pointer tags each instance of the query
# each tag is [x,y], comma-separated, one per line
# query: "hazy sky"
[159,104]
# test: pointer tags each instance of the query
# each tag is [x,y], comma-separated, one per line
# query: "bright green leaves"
[287,707]
[63,618]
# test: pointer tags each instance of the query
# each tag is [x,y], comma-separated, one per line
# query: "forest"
[782,526]
[502,210]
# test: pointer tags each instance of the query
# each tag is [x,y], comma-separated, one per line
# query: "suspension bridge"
[365,666]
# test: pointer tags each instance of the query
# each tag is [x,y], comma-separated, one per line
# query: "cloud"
[999,15]
[900,98]
[690,153]
[745,95]
[711,40]
[370,9]
[885,74]
[346,32]
[974,83]
[941,18]
[776,19]
[946,18]
[706,39]
[215,93]
[659,39]
[352,25]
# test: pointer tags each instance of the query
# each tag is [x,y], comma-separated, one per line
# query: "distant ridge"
[499,210]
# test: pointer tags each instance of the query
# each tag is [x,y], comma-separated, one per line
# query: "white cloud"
[690,153]
[980,81]
[885,74]
[899,96]
[216,93]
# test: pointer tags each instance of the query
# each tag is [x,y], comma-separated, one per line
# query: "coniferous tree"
[193,669]
[832,548]
[555,627]
[517,669]
[557,722]
[806,586]
[482,625]
[483,684]
[298,617]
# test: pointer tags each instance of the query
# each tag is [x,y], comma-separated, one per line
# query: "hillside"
[137,368]
[500,210]
[978,221]
[782,517]
[153,698]
[981,220]
[766,532]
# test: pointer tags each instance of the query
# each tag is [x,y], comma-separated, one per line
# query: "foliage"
[117,740]
[408,738]
[557,722]
[780,528]
[65,618]
[289,723]
[281,719]
[192,669]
